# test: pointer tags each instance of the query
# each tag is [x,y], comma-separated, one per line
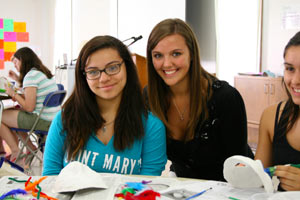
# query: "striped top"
[38,79]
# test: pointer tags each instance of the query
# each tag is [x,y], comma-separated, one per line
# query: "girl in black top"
[279,132]
[205,117]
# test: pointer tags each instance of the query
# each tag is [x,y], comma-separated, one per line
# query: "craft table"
[3,96]
[115,182]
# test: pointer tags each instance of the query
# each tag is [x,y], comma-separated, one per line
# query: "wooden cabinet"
[258,93]
[141,64]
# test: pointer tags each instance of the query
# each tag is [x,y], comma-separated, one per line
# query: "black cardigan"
[223,135]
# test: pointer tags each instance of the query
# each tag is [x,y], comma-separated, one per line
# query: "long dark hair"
[30,60]
[81,115]
[292,109]
[159,92]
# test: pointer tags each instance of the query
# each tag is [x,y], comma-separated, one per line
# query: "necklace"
[105,125]
[180,114]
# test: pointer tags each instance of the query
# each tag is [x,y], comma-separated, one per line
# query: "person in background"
[279,131]
[104,124]
[205,117]
[37,82]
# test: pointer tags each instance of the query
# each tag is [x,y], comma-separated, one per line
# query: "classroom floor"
[36,167]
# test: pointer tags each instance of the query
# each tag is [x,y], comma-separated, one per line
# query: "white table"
[220,190]
[3,96]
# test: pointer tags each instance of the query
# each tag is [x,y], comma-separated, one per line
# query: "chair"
[53,99]
[60,86]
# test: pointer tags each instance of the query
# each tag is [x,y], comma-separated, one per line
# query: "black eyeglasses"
[109,70]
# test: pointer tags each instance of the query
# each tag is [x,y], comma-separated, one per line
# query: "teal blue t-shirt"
[146,157]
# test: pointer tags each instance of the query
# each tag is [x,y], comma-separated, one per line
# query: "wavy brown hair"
[81,115]
[199,79]
[292,113]
[30,60]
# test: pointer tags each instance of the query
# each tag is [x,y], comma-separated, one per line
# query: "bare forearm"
[21,100]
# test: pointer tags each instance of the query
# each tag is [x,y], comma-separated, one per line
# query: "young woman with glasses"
[104,124]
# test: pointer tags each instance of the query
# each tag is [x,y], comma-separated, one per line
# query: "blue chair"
[60,86]
[53,99]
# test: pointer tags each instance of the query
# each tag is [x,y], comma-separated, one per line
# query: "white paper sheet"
[7,170]
[220,191]
[293,195]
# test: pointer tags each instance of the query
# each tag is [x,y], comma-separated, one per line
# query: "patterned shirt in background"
[38,79]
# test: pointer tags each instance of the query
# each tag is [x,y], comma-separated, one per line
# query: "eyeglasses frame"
[104,70]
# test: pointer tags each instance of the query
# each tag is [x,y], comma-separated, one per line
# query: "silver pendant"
[104,129]
[181,117]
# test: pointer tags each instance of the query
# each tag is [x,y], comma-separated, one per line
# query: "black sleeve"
[233,123]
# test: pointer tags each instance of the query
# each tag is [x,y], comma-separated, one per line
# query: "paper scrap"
[10,36]
[8,25]
[10,46]
[1,22]
[8,55]
[1,54]
[77,176]
[1,34]
[19,26]
[1,64]
[243,172]
[22,36]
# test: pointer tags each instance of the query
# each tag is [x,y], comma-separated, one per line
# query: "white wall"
[39,18]
[119,18]
[275,33]
[92,18]
[79,21]
[125,19]
[136,17]
[237,28]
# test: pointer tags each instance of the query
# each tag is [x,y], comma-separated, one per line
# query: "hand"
[289,177]
[13,75]
[10,91]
